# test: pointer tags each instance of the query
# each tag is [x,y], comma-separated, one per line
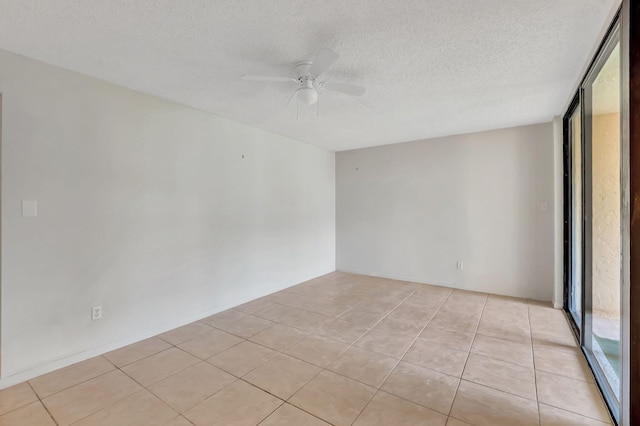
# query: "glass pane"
[575,301]
[606,226]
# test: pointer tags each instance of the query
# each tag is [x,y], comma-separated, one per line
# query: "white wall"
[146,208]
[410,211]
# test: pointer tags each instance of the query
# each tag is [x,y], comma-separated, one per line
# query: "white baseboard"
[421,281]
[66,360]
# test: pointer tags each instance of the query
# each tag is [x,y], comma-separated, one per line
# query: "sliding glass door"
[593,227]
[574,148]
[602,143]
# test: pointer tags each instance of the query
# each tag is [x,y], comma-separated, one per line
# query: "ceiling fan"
[308,76]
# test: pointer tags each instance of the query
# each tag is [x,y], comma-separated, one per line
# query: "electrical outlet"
[459,265]
[96,313]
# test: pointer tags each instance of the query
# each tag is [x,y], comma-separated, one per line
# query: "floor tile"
[288,415]
[442,334]
[506,328]
[468,296]
[483,406]
[456,422]
[504,350]
[239,404]
[140,409]
[15,397]
[456,321]
[242,358]
[307,321]
[437,357]
[64,378]
[223,317]
[317,350]
[551,416]
[210,343]
[247,326]
[387,343]
[416,316]
[277,312]
[334,398]
[563,337]
[426,387]
[184,333]
[434,293]
[282,376]
[178,421]
[343,330]
[470,307]
[456,340]
[382,304]
[191,386]
[433,301]
[364,366]
[279,337]
[152,369]
[546,317]
[84,399]
[253,306]
[385,409]
[33,414]
[501,375]
[571,395]
[562,360]
[361,317]
[137,351]
[495,310]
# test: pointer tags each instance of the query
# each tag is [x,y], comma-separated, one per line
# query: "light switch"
[29,208]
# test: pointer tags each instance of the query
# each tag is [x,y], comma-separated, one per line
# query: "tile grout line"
[312,332]
[123,398]
[181,416]
[403,355]
[321,369]
[41,403]
[475,333]
[592,375]
[550,404]
[120,368]
[307,310]
[353,345]
[278,352]
[145,387]
[38,399]
[76,384]
[533,356]
[582,357]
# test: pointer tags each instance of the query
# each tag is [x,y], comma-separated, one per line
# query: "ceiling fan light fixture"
[308,95]
[307,75]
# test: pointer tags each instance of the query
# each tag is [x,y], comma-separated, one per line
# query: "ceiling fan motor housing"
[302,68]
[307,94]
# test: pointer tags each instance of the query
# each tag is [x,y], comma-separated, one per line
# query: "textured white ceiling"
[431,67]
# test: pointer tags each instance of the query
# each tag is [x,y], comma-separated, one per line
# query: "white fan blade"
[346,88]
[324,59]
[272,78]
[291,97]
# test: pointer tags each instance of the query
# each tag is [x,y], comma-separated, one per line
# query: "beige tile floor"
[341,349]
